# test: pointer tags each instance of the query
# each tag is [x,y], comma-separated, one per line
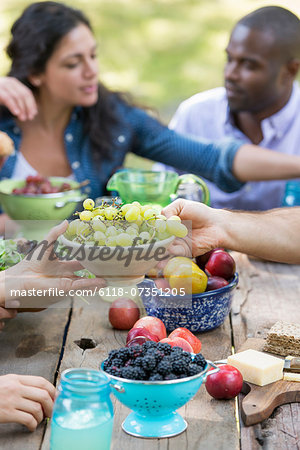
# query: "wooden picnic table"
[48,342]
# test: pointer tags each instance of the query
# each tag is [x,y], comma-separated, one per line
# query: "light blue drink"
[83,412]
[93,438]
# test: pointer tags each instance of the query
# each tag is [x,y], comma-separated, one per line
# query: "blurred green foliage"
[162,51]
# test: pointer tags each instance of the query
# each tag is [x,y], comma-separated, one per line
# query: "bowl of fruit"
[194,295]
[154,380]
[39,198]
[120,243]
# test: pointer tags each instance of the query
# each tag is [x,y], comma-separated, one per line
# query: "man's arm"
[272,235]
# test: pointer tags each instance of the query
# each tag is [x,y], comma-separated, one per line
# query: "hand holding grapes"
[205,232]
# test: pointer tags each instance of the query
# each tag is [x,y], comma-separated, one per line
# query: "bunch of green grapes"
[122,225]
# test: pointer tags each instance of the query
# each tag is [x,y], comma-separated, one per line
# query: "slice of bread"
[6,144]
[283,339]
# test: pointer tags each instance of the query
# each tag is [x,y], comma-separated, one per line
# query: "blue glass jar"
[83,412]
[292,194]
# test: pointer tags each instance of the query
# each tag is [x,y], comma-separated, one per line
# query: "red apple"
[123,313]
[187,335]
[201,260]
[139,340]
[178,342]
[220,264]
[214,283]
[135,332]
[153,324]
[225,384]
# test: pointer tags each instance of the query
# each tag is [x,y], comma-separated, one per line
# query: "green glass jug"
[155,188]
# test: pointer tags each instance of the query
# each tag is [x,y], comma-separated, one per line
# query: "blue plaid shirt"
[145,136]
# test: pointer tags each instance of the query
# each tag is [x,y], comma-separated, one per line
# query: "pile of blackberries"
[153,361]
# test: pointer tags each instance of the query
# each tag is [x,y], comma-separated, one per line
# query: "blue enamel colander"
[154,403]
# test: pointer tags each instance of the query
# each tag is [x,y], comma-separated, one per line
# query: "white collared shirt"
[207,115]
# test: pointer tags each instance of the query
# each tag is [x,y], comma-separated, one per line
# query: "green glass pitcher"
[155,188]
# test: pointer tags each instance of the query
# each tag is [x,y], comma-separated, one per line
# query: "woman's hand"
[42,270]
[25,399]
[18,98]
[205,232]
[6,314]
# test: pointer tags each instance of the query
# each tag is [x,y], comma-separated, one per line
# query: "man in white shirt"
[260,102]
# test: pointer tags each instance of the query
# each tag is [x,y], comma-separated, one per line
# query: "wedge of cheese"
[257,367]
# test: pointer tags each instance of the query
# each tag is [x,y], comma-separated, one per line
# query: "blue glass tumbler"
[83,412]
[292,194]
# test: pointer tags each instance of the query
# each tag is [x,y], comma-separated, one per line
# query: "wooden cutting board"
[260,401]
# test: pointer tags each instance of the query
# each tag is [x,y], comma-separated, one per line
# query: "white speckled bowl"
[197,312]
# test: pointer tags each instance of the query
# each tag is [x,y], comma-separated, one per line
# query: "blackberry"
[179,366]
[170,376]
[149,344]
[164,367]
[123,353]
[178,350]
[149,362]
[138,361]
[156,377]
[116,362]
[106,364]
[112,354]
[158,355]
[116,371]
[131,373]
[149,351]
[177,356]
[193,369]
[135,351]
[200,360]
[184,354]
[186,357]
[165,348]
[140,373]
[183,375]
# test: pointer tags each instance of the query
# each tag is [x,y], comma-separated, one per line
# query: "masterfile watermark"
[92,253]
[53,292]
[47,268]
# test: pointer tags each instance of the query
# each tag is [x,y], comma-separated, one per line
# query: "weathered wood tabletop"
[48,342]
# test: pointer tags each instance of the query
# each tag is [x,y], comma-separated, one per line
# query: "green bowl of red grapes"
[39,198]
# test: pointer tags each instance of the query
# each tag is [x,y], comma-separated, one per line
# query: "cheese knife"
[291,364]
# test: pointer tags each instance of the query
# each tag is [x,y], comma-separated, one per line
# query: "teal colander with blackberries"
[154,380]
